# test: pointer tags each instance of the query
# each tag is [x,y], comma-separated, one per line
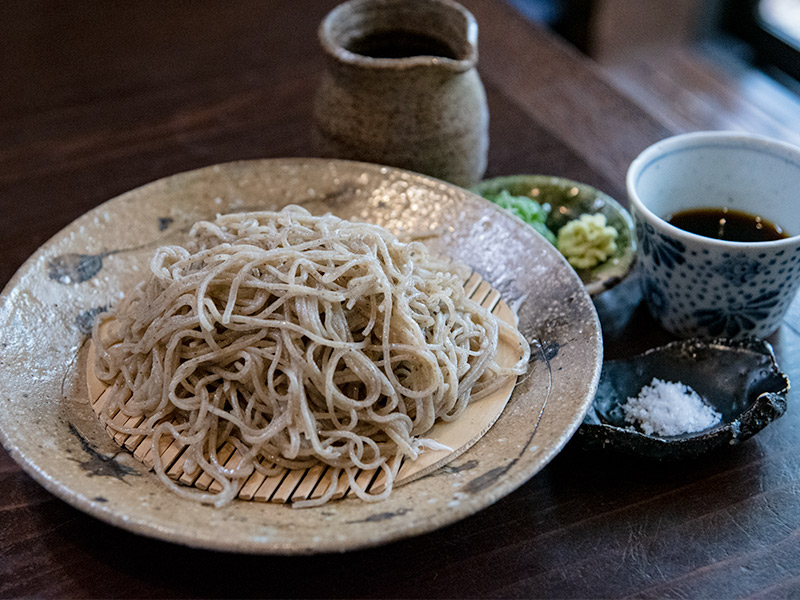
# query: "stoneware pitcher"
[401,88]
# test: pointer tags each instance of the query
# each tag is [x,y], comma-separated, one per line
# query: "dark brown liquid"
[400,44]
[728,225]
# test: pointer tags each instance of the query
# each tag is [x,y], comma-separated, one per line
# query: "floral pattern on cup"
[737,318]
[664,249]
[695,290]
[737,268]
[698,286]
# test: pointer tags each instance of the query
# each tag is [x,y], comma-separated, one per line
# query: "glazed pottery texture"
[739,378]
[569,200]
[699,286]
[46,313]
[407,97]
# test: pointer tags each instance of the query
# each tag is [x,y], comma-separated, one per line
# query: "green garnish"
[530,211]
[587,241]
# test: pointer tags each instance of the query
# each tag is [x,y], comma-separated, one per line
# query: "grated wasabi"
[587,241]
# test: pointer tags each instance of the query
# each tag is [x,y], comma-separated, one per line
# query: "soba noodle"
[300,340]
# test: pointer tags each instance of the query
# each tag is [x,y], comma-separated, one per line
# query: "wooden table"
[98,98]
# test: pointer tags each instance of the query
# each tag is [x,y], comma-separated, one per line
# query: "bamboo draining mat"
[303,484]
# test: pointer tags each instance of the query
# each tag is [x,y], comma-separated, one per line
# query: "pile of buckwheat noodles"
[300,340]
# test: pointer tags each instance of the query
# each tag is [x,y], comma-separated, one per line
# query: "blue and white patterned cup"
[700,286]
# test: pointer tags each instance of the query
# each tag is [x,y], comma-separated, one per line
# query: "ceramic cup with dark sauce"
[401,88]
[720,281]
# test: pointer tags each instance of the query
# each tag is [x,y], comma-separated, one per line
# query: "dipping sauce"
[728,225]
[400,44]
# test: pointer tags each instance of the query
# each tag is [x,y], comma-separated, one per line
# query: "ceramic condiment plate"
[740,379]
[569,200]
[46,310]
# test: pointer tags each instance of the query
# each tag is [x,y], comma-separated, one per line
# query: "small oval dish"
[739,379]
[569,200]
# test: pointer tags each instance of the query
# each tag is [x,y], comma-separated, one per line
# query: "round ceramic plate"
[569,200]
[46,311]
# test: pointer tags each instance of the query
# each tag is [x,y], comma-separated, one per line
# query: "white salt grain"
[668,408]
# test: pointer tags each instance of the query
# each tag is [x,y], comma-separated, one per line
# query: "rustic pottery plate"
[569,200]
[46,311]
[739,378]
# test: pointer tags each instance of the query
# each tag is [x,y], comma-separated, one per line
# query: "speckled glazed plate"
[569,200]
[46,310]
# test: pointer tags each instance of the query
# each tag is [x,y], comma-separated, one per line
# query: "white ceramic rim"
[688,140]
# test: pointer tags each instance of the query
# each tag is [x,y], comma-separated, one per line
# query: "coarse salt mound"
[669,408]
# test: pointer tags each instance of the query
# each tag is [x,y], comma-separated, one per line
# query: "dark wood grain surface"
[97,98]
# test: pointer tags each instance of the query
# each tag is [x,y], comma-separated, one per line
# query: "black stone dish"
[739,378]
